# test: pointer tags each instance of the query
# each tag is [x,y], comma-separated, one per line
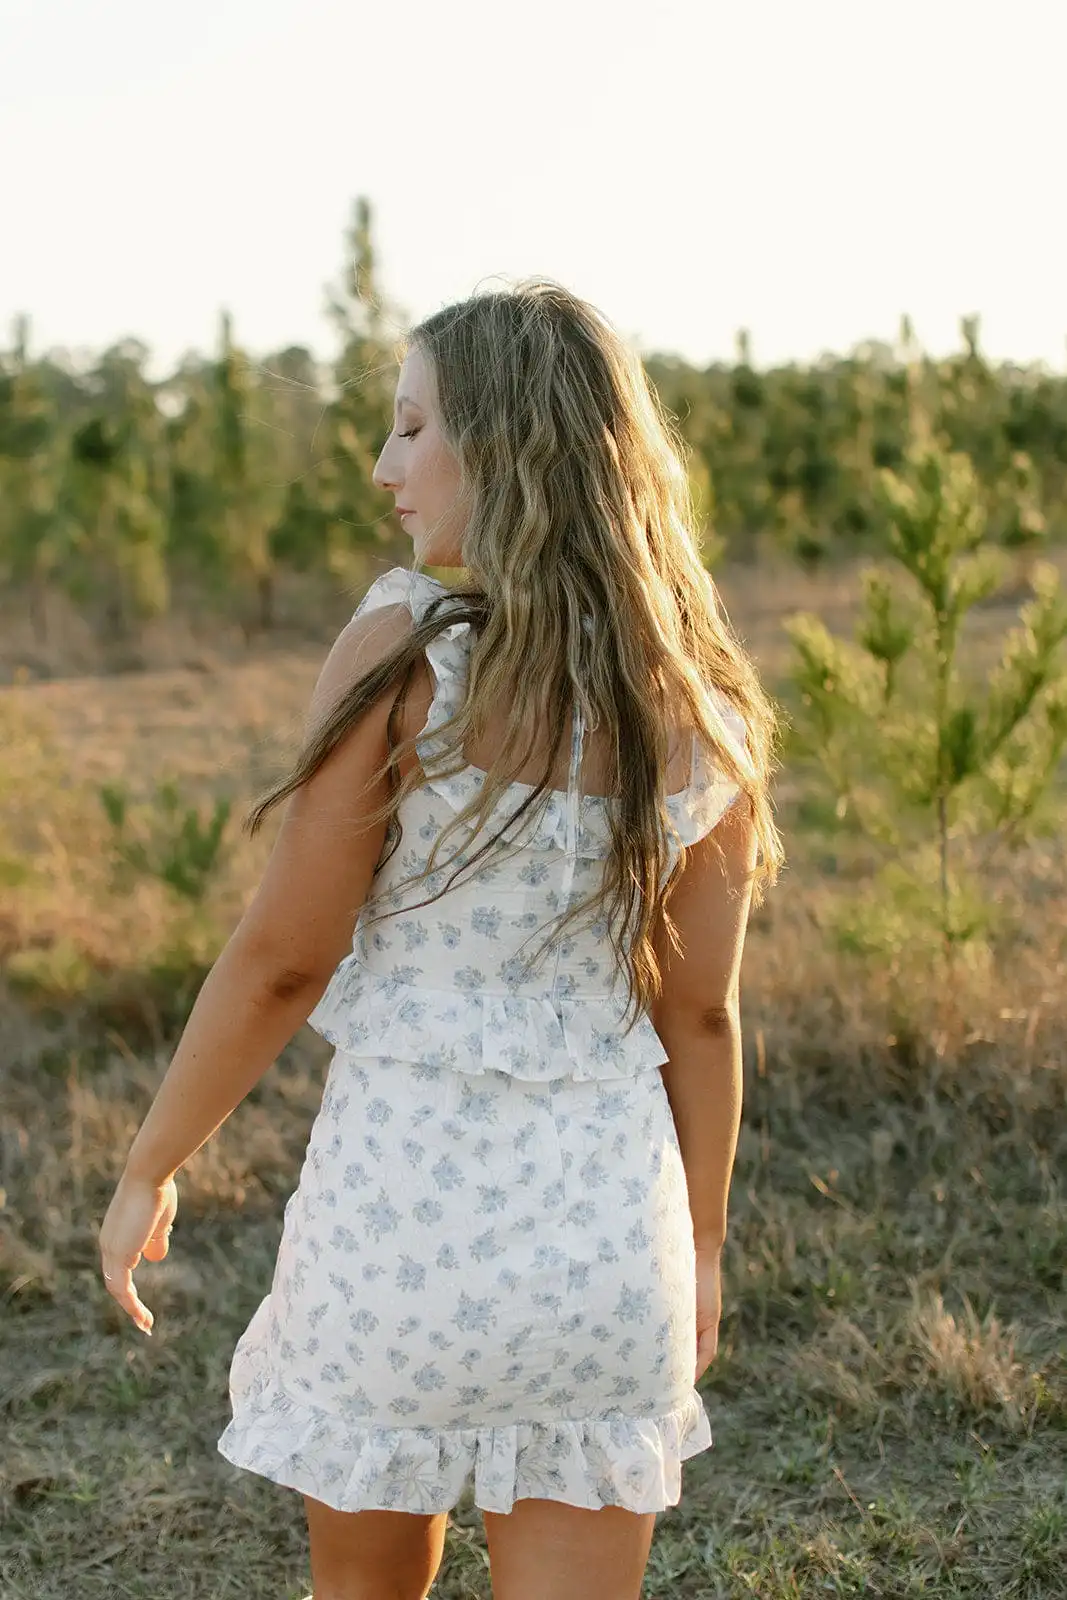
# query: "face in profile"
[418,467]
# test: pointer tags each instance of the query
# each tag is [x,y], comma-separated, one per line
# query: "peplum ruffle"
[538,1037]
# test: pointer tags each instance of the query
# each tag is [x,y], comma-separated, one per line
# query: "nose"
[382,477]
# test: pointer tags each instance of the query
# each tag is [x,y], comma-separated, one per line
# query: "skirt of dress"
[479,1276]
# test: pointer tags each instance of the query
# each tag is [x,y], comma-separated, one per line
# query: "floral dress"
[486,1270]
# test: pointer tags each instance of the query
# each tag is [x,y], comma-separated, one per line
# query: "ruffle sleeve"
[400,586]
[695,810]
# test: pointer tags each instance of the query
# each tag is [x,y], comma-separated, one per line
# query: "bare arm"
[278,961]
[698,1015]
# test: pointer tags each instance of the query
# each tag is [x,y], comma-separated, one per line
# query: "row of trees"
[920,774]
[127,494]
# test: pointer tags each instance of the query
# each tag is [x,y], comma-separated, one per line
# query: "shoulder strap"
[574,776]
[573,804]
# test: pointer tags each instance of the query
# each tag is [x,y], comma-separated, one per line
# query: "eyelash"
[409,435]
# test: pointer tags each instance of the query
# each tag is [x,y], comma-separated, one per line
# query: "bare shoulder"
[361,645]
[333,828]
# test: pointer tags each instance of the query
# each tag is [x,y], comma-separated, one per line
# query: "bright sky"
[809,169]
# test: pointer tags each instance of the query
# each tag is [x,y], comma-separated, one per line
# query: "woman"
[541,800]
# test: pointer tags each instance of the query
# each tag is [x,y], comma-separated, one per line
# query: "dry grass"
[890,1399]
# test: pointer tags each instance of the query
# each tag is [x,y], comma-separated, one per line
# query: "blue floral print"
[486,1270]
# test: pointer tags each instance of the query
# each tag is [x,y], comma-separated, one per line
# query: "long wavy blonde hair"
[579,506]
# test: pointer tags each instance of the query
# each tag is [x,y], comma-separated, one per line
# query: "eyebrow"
[406,400]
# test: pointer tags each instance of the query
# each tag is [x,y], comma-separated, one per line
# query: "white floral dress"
[487,1267]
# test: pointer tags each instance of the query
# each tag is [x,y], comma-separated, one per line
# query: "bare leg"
[546,1550]
[373,1555]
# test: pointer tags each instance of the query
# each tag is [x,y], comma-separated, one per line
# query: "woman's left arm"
[276,964]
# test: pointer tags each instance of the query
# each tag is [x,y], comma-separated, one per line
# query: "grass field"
[890,1400]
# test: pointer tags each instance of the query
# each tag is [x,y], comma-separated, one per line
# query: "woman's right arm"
[697,1015]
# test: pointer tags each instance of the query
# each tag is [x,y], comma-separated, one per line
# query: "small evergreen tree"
[35,534]
[178,849]
[249,501]
[932,766]
[358,419]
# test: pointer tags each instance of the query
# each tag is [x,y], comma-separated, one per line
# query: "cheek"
[436,472]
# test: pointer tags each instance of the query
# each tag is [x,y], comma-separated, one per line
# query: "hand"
[138,1223]
[709,1308]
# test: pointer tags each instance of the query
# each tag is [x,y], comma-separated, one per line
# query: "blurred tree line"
[135,498]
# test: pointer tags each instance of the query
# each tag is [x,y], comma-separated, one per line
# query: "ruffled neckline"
[692,811]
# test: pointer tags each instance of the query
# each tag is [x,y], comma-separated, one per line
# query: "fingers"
[137,1227]
[707,1349]
[157,1245]
[118,1281]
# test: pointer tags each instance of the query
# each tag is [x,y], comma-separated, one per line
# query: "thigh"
[373,1555]
[547,1550]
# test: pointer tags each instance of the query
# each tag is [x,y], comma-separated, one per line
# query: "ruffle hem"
[614,1460]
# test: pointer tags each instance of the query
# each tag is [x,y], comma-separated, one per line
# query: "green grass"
[890,1398]
[889,1402]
